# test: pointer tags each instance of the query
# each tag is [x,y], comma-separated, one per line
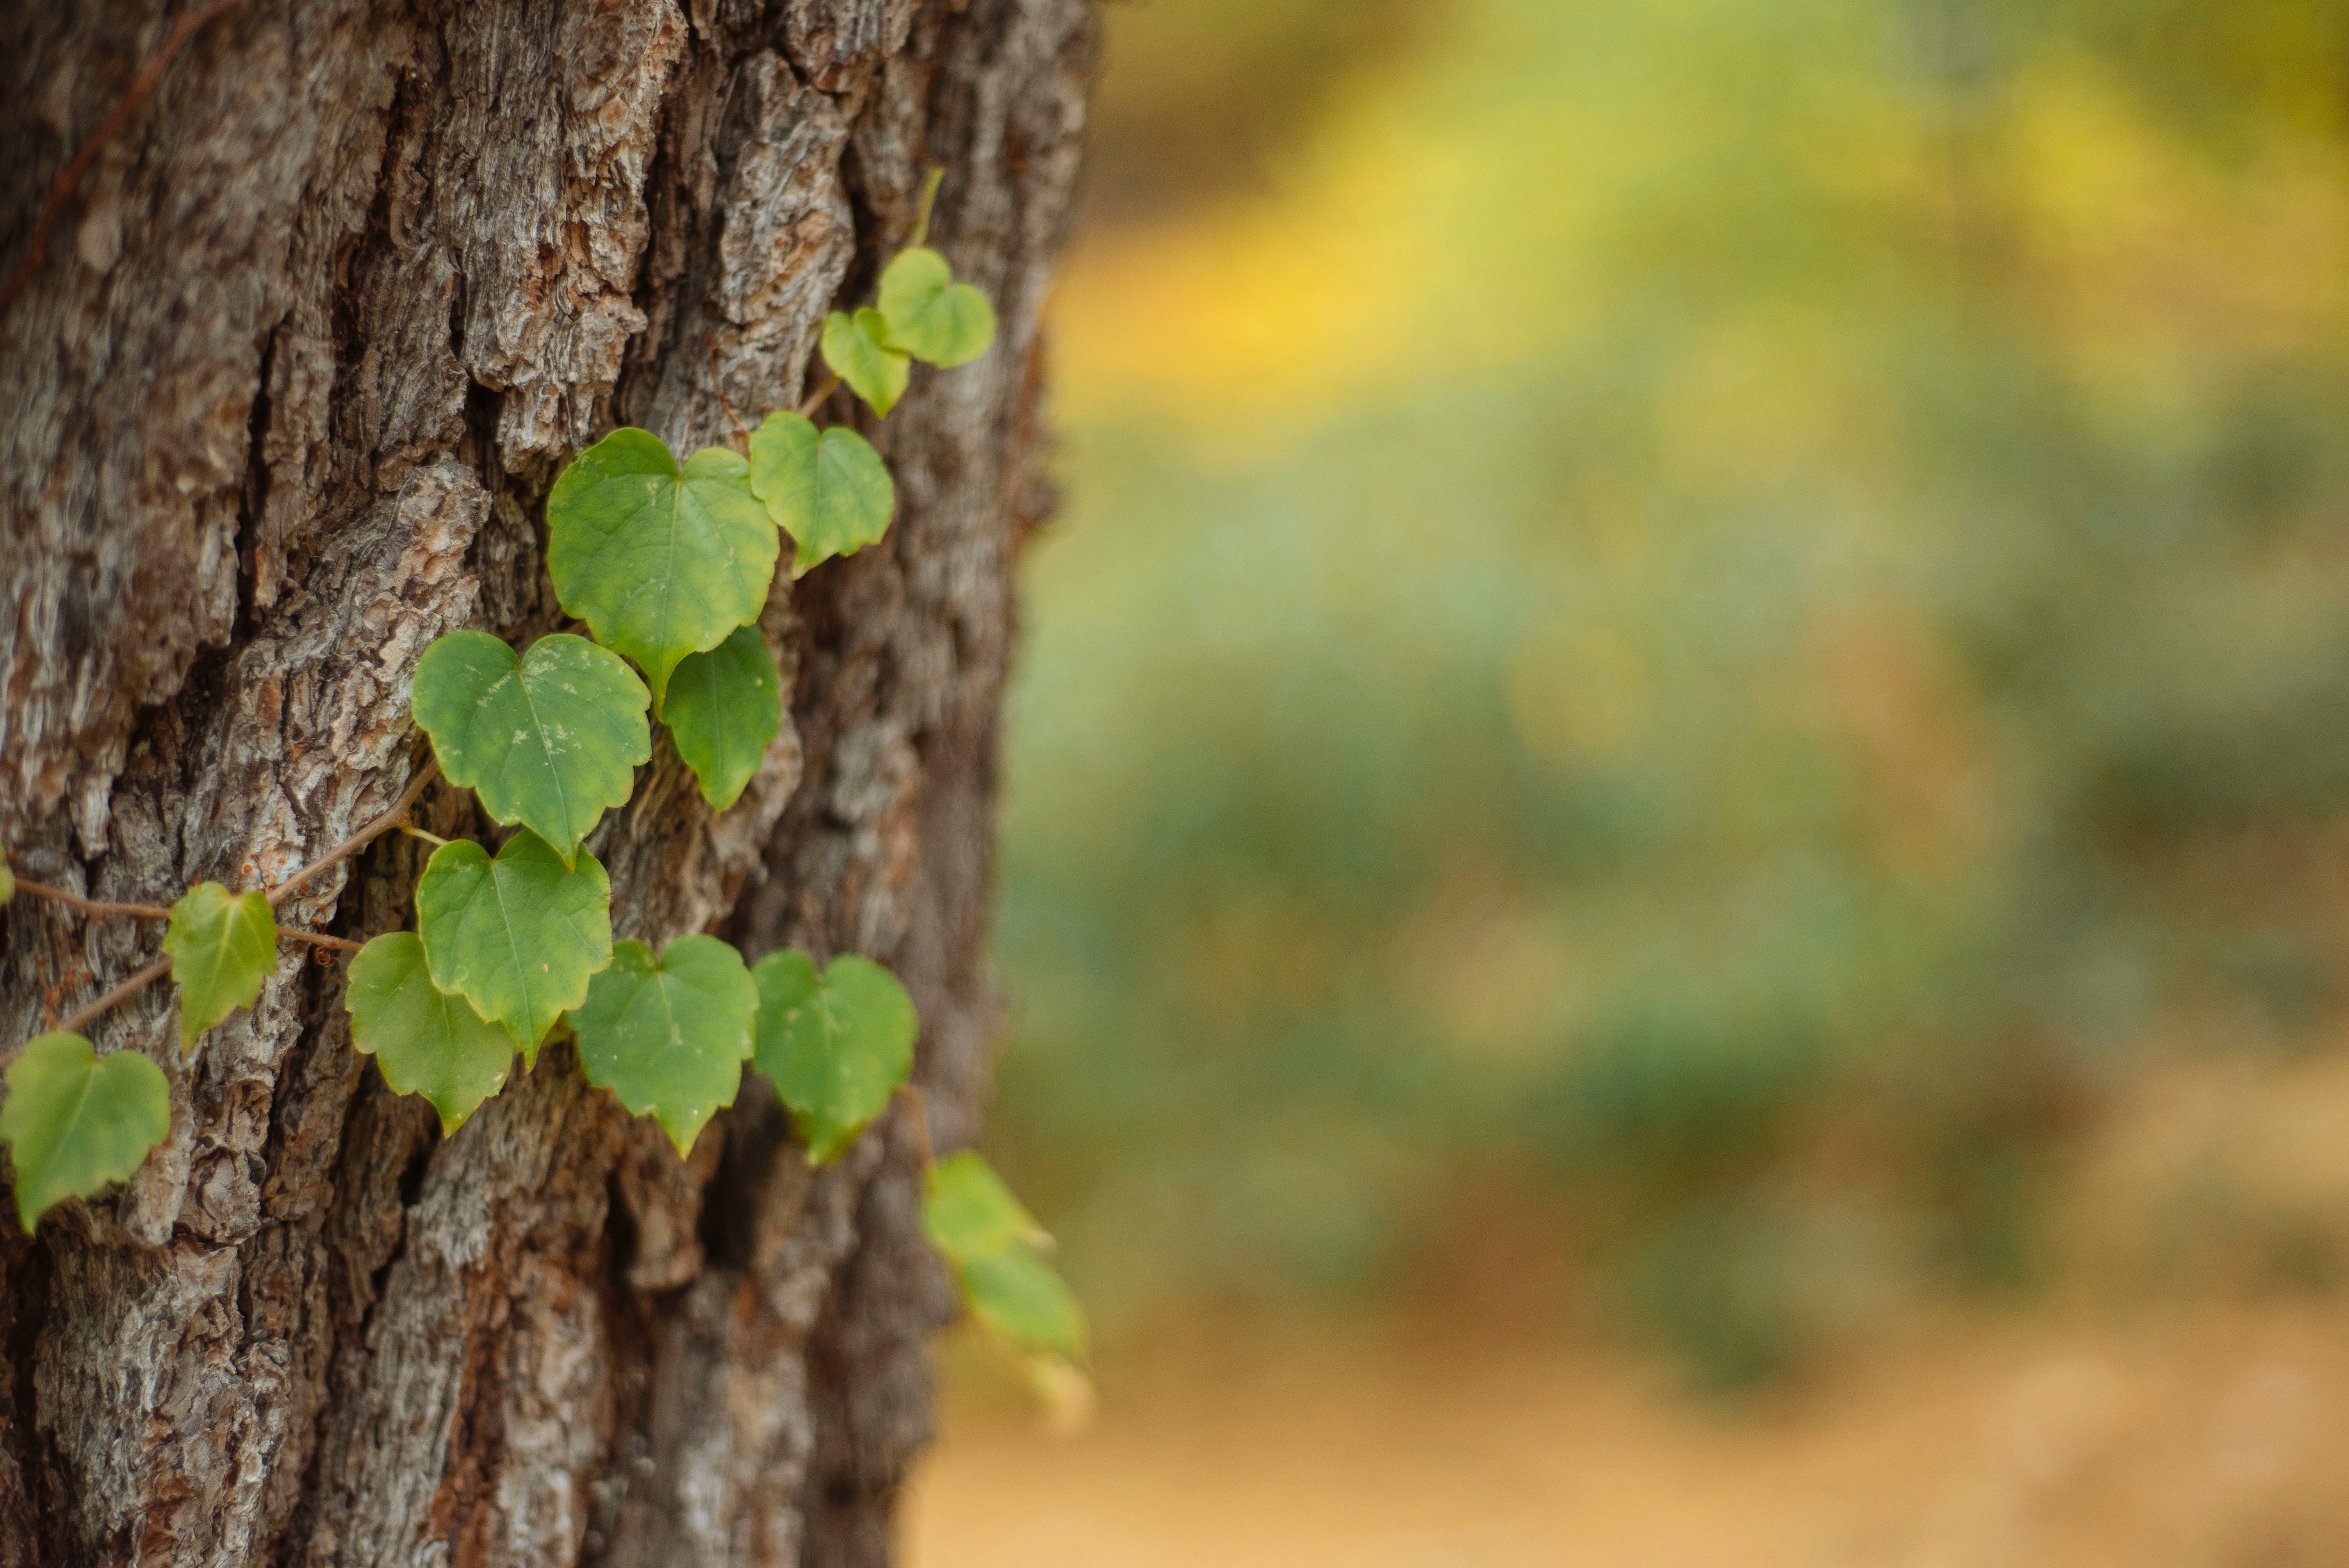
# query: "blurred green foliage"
[1736,613]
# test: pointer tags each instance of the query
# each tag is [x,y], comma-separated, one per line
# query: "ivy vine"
[668,565]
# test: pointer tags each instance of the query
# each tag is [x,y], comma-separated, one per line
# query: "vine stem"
[68,179]
[91,906]
[363,837]
[140,979]
[138,982]
[718,390]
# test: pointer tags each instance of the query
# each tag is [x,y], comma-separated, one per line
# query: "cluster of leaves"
[669,565]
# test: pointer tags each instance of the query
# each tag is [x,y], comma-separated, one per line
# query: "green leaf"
[669,1036]
[857,349]
[7,880]
[425,1040]
[221,945]
[661,561]
[75,1120]
[549,739]
[830,491]
[724,707]
[517,936]
[969,1212]
[930,315]
[837,1046]
[1024,1299]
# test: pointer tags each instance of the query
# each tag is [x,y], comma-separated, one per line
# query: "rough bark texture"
[283,406]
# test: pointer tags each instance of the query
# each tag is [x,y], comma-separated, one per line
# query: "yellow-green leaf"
[857,349]
[724,708]
[551,739]
[970,1213]
[517,936]
[930,315]
[1024,1299]
[75,1120]
[425,1040]
[660,562]
[669,1036]
[837,1046]
[828,491]
[221,945]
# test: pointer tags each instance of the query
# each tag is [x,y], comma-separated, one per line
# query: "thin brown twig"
[920,1106]
[91,906]
[361,839]
[816,400]
[719,391]
[68,179]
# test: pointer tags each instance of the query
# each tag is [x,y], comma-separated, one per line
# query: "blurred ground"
[2209,1441]
[1676,884]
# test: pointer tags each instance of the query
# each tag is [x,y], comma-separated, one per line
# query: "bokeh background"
[1677,843]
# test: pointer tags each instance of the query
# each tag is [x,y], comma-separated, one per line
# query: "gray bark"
[283,406]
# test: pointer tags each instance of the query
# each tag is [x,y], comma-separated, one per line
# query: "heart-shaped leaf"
[930,315]
[970,1213]
[75,1120]
[1024,1299]
[425,1040]
[517,936]
[837,1046]
[669,1036]
[723,709]
[828,491]
[550,739]
[221,945]
[660,562]
[857,349]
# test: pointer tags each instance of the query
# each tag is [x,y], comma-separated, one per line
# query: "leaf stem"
[320,939]
[816,400]
[930,184]
[91,906]
[413,831]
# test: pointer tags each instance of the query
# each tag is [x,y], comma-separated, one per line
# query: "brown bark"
[284,404]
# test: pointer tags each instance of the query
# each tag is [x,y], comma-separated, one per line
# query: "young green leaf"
[550,739]
[517,936]
[661,561]
[970,1213]
[669,1036]
[221,945]
[930,315]
[857,349]
[1024,1299]
[828,491]
[724,707]
[837,1046]
[425,1040]
[75,1120]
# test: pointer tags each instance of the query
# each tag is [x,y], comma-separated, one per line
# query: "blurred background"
[1677,851]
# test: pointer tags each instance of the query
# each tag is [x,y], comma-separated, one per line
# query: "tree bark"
[285,402]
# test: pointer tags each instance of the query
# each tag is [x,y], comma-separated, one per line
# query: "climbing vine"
[666,565]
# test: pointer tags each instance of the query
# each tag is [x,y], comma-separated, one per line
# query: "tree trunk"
[284,402]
